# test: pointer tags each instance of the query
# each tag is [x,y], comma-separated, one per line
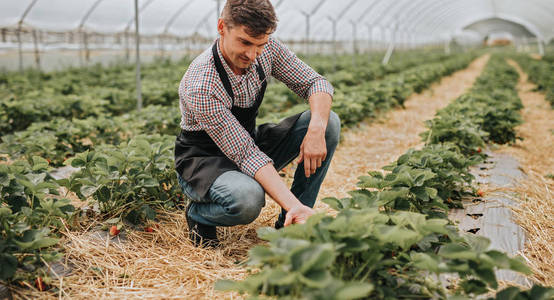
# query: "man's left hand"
[313,150]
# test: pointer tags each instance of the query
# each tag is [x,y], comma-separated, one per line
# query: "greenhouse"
[277,149]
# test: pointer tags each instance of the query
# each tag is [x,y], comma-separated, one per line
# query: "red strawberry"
[480,193]
[479,150]
[114,230]
[148,229]
[41,286]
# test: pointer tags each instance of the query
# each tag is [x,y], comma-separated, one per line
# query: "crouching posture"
[225,163]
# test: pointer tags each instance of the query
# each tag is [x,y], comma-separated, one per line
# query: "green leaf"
[8,266]
[88,190]
[226,285]
[354,290]
[39,163]
[518,264]
[317,279]
[456,251]
[425,261]
[280,277]
[333,202]
[319,256]
[397,236]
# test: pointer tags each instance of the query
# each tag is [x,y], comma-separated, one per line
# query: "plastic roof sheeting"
[418,18]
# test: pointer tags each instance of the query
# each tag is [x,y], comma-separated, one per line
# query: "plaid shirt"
[205,105]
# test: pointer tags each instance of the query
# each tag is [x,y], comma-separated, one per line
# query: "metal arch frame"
[204,19]
[530,26]
[546,7]
[175,15]
[169,23]
[422,13]
[427,23]
[308,15]
[378,19]
[401,12]
[84,34]
[485,15]
[512,18]
[519,21]
[334,22]
[419,16]
[425,6]
[536,11]
[448,16]
[140,10]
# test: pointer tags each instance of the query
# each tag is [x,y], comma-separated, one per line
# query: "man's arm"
[313,150]
[272,183]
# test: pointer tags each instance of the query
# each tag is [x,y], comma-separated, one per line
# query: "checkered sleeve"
[224,129]
[296,74]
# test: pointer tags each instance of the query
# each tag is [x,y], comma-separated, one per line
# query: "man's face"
[239,48]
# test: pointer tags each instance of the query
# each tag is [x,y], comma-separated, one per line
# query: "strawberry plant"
[129,180]
[30,216]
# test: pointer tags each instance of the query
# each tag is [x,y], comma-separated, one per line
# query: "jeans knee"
[248,203]
[332,133]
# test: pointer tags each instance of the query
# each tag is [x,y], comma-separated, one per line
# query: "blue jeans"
[236,198]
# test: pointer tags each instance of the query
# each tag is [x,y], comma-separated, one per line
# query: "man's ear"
[221,26]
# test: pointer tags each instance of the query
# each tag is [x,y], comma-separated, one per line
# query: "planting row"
[358,102]
[98,91]
[391,239]
[541,72]
[61,138]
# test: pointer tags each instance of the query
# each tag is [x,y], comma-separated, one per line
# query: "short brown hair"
[257,15]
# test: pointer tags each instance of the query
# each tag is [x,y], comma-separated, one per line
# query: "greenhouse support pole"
[137,45]
[20,49]
[37,54]
[127,55]
[354,43]
[541,46]
[390,49]
[87,51]
[80,38]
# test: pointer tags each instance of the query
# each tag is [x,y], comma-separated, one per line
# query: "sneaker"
[201,235]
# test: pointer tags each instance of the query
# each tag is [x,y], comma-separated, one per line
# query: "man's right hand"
[298,215]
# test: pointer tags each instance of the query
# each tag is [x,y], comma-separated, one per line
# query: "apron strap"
[222,74]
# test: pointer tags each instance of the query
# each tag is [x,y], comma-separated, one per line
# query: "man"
[225,163]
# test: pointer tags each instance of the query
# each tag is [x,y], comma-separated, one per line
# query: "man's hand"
[298,215]
[313,150]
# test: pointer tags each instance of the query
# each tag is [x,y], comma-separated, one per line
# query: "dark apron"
[199,160]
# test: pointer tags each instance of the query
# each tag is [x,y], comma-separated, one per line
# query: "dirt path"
[536,156]
[164,264]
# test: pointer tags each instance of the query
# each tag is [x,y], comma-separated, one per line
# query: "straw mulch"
[164,264]
[535,212]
